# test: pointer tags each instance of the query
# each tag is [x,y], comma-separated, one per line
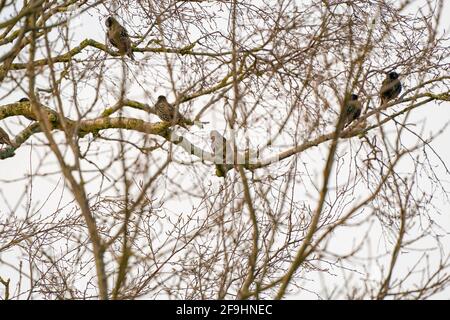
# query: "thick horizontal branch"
[24,109]
[83,127]
[95,125]
[162,129]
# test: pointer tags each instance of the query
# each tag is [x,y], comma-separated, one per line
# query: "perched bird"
[390,88]
[223,153]
[118,36]
[25,99]
[167,112]
[4,138]
[352,109]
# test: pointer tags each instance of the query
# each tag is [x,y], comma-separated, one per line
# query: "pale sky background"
[431,117]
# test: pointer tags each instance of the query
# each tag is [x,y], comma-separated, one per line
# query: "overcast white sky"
[431,117]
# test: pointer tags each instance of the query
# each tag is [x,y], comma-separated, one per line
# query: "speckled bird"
[352,109]
[223,153]
[25,99]
[118,37]
[167,112]
[390,88]
[4,138]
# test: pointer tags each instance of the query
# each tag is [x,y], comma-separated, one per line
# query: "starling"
[167,112]
[25,99]
[118,37]
[223,153]
[352,109]
[4,138]
[390,88]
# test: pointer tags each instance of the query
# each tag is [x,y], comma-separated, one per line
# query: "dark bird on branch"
[118,37]
[25,99]
[167,112]
[390,88]
[4,138]
[352,109]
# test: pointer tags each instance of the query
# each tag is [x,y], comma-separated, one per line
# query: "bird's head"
[354,97]
[162,98]
[24,99]
[393,75]
[110,21]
